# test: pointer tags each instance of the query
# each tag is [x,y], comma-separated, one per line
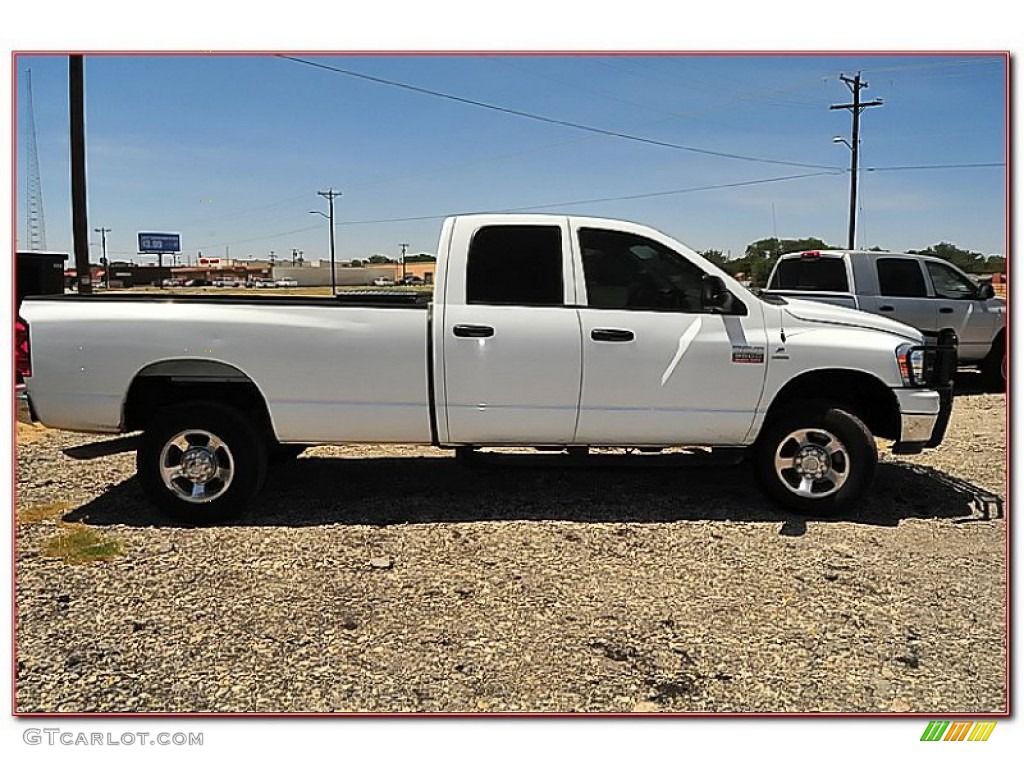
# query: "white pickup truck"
[542,331]
[923,291]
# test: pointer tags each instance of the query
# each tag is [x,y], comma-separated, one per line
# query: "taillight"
[22,350]
[810,255]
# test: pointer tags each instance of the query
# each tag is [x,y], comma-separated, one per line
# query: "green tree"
[760,256]
[968,261]
[715,256]
[995,263]
[379,259]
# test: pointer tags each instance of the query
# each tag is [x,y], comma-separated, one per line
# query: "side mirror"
[986,291]
[713,293]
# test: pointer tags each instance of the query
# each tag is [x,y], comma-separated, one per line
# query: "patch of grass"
[27,433]
[40,512]
[77,543]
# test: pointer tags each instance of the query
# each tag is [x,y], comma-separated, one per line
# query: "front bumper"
[924,413]
[920,430]
[23,404]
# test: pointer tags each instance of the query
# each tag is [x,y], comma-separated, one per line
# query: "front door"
[975,320]
[658,369]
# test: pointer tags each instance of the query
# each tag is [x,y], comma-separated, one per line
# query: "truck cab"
[925,292]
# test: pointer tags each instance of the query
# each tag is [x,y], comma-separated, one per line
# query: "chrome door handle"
[473,331]
[611,334]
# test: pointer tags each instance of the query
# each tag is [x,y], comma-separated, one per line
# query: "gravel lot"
[389,579]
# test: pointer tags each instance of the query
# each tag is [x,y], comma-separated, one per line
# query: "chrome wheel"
[812,463]
[196,466]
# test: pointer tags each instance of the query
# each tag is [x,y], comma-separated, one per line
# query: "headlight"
[911,363]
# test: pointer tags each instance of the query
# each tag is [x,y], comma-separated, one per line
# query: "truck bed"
[331,370]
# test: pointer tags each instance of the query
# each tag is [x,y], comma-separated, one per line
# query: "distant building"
[39,273]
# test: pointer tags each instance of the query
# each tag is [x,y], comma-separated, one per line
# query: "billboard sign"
[159,242]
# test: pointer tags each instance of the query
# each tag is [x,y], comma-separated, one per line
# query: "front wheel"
[201,462]
[816,459]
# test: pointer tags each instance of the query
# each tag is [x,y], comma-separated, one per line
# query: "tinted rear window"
[826,273]
[515,264]
[900,277]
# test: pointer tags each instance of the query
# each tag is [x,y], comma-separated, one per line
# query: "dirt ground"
[394,578]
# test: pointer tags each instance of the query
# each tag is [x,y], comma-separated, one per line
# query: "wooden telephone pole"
[855,84]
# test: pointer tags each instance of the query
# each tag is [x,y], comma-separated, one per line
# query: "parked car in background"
[286,282]
[411,280]
[923,291]
[381,282]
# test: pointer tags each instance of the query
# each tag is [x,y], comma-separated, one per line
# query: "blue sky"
[230,150]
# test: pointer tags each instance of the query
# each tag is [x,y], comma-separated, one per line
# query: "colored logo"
[958,730]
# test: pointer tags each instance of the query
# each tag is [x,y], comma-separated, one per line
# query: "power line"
[639,196]
[935,167]
[938,64]
[589,201]
[666,193]
[552,120]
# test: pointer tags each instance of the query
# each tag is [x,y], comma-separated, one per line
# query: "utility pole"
[403,246]
[295,253]
[79,212]
[855,84]
[103,258]
[329,195]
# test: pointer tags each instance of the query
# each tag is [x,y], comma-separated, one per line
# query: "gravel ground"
[392,579]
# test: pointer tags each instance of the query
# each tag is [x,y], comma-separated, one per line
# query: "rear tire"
[201,462]
[282,453]
[993,369]
[815,459]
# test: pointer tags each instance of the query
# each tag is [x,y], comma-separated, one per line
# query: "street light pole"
[855,84]
[329,195]
[403,246]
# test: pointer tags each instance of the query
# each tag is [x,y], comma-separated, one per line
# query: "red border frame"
[512,52]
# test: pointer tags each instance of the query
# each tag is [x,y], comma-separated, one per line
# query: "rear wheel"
[816,459]
[201,462]
[282,453]
[993,369]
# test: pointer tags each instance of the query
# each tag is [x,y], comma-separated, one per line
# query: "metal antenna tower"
[34,221]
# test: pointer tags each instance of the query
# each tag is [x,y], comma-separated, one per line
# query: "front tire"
[201,462]
[816,459]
